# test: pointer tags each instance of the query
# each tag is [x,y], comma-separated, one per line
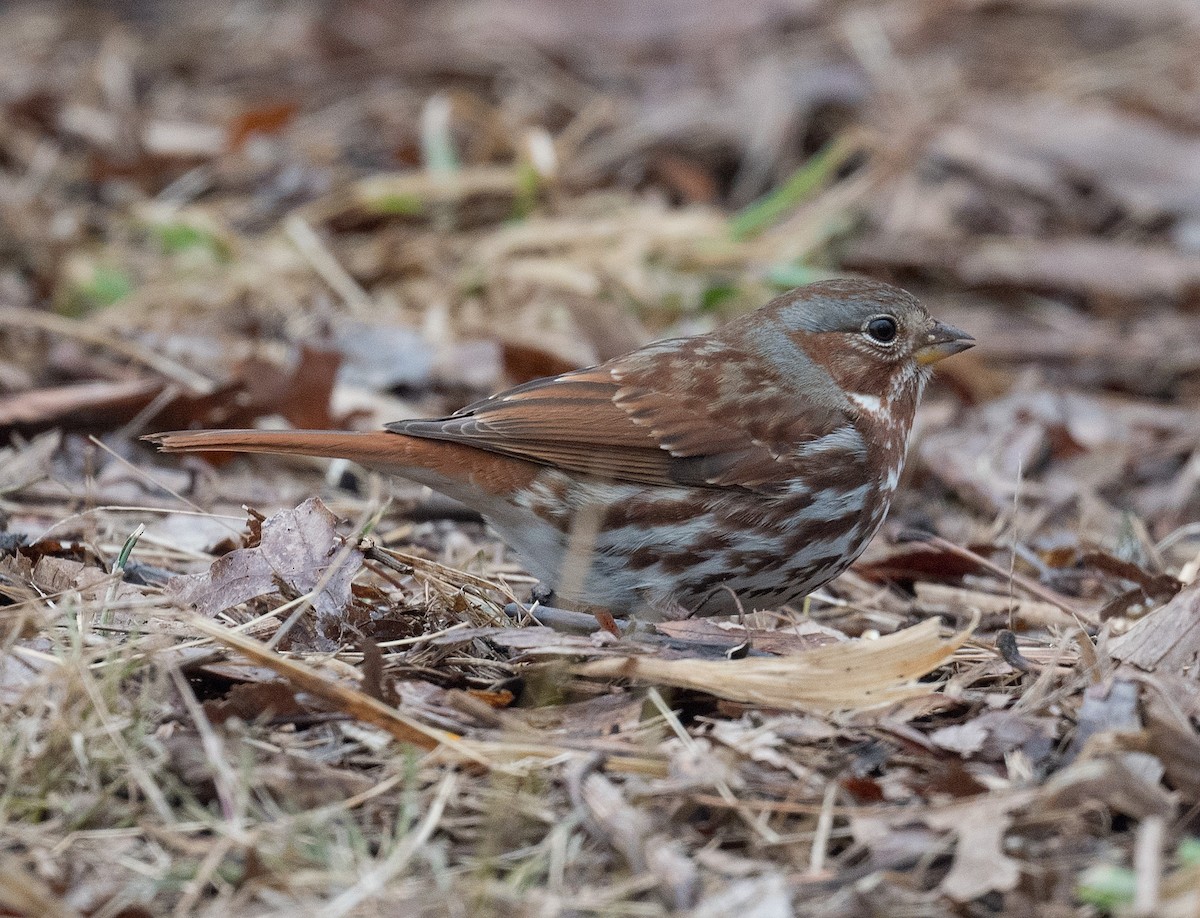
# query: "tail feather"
[462,472]
[366,447]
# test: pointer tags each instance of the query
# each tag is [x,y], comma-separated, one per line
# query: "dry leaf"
[980,865]
[1168,639]
[857,674]
[57,575]
[89,404]
[299,548]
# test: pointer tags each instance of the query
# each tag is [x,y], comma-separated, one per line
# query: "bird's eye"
[882,329]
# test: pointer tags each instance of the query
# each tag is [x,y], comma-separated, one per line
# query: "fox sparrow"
[755,462]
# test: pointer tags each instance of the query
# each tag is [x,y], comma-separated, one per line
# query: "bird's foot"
[542,594]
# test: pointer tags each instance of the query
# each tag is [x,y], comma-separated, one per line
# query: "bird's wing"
[685,412]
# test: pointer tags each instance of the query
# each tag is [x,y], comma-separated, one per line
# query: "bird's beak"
[942,341]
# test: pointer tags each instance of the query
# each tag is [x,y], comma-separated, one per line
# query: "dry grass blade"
[358,705]
[837,677]
[25,894]
[1029,586]
[938,597]
[375,882]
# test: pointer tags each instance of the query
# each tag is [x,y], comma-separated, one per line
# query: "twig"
[359,705]
[1147,866]
[1029,586]
[195,383]
[820,845]
[412,564]
[327,267]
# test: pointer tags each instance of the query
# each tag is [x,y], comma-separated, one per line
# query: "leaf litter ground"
[264,686]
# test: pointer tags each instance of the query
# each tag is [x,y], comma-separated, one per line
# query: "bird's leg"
[603,616]
[567,615]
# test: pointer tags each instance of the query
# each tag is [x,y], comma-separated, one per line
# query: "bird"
[708,475]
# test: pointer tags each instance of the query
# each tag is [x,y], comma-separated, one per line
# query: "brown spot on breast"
[662,511]
[642,558]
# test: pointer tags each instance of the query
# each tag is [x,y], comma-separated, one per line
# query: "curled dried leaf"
[853,675]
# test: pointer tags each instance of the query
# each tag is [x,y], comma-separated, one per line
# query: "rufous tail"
[369,448]
[455,469]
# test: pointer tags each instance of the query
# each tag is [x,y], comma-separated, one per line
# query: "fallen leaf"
[263,119]
[850,675]
[1168,639]
[1121,783]
[253,700]
[299,548]
[57,575]
[91,405]
[980,865]
[993,734]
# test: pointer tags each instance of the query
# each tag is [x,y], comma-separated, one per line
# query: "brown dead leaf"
[85,405]
[253,700]
[915,561]
[16,577]
[1117,783]
[1178,748]
[980,863]
[304,397]
[993,734]
[263,119]
[1166,640]
[57,575]
[299,548]
[850,675]
[525,360]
